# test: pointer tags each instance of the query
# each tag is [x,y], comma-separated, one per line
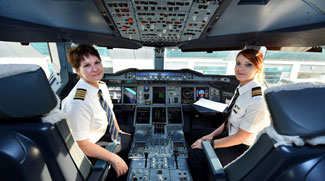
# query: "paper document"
[217,106]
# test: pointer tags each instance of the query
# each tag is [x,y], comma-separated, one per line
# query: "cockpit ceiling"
[191,25]
[161,21]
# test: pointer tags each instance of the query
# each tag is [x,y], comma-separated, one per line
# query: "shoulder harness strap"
[80,94]
[256,91]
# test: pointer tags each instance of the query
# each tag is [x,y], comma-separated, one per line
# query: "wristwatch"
[121,131]
[212,143]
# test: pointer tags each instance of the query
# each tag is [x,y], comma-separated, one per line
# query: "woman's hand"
[206,138]
[197,144]
[122,132]
[119,165]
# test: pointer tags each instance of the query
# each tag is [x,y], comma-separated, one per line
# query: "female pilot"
[88,113]
[247,116]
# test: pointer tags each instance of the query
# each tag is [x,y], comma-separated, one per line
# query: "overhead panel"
[164,22]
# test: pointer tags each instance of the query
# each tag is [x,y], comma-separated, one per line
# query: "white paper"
[217,106]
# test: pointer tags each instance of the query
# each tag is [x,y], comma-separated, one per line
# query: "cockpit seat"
[31,149]
[293,148]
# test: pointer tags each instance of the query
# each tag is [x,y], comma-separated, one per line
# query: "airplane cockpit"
[156,106]
[162,59]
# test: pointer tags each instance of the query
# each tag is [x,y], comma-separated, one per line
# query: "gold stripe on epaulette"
[256,91]
[80,94]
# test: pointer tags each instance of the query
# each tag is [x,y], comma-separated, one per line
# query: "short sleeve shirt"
[250,112]
[86,116]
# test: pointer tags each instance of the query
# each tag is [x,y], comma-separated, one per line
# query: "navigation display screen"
[143,115]
[174,115]
[158,115]
[202,92]
[159,95]
[130,95]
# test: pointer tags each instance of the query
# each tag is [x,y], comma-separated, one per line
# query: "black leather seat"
[30,149]
[296,110]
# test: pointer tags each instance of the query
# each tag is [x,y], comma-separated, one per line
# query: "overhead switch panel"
[166,21]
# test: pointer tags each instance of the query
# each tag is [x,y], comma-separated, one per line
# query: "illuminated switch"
[130,21]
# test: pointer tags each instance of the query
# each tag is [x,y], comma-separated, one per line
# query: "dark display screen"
[174,115]
[130,95]
[178,144]
[159,95]
[187,95]
[158,115]
[143,115]
[202,92]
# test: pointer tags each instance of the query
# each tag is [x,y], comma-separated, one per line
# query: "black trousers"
[197,161]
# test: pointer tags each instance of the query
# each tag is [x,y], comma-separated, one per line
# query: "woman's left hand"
[197,144]
[122,132]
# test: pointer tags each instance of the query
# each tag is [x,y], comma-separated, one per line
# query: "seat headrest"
[298,109]
[25,91]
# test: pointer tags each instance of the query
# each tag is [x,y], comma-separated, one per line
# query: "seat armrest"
[215,166]
[101,167]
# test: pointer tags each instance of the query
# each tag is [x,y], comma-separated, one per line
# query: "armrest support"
[101,167]
[215,166]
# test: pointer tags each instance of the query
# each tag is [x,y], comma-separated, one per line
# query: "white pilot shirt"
[249,112]
[86,116]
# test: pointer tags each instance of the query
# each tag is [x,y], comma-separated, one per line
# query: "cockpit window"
[119,59]
[283,67]
[33,53]
[280,67]
[218,62]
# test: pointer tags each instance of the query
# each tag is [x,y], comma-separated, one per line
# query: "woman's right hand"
[119,166]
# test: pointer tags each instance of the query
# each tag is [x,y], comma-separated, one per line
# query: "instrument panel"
[184,87]
[162,94]
[159,149]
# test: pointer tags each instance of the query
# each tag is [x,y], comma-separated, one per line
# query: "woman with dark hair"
[246,116]
[90,111]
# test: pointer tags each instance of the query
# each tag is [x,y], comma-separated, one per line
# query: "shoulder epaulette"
[101,82]
[256,91]
[80,94]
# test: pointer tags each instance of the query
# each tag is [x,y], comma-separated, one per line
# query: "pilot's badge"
[236,107]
